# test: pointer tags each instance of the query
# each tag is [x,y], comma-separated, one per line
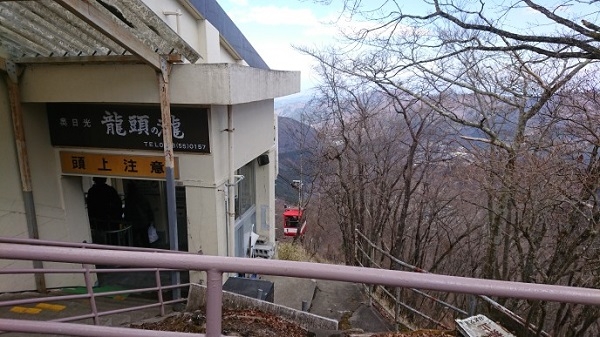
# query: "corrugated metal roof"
[47,31]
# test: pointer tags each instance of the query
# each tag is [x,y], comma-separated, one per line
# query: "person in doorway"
[139,214]
[105,209]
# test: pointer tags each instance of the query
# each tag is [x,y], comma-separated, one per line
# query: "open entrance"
[121,212]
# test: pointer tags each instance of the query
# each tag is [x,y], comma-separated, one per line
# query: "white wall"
[189,28]
[199,33]
[47,193]
[59,204]
[254,130]
[12,212]
[254,134]
[265,197]
[218,84]
[55,204]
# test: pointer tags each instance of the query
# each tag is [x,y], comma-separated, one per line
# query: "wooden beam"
[86,11]
[167,132]
[14,97]
[3,64]
[149,19]
[122,59]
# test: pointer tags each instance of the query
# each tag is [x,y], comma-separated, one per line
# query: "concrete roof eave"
[205,84]
[231,84]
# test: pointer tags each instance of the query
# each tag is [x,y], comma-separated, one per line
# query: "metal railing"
[216,266]
[88,271]
[398,303]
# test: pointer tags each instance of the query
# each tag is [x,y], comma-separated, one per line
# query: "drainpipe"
[14,97]
[165,108]
[231,185]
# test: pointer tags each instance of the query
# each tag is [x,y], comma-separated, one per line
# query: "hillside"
[292,106]
[295,141]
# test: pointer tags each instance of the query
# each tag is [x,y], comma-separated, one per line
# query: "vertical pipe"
[159,292]
[397,310]
[259,294]
[90,291]
[214,302]
[227,206]
[14,97]
[165,109]
[231,185]
[472,305]
[177,15]
[356,259]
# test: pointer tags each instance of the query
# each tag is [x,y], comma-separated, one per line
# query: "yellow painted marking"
[53,307]
[18,310]
[23,310]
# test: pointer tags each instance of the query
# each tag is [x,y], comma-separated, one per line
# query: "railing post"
[160,295]
[259,295]
[214,302]
[397,310]
[90,290]
[472,305]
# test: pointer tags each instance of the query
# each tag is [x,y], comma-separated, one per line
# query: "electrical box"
[251,287]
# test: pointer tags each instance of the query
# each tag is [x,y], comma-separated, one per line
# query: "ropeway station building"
[165,94]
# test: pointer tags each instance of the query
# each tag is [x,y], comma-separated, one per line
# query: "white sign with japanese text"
[481,326]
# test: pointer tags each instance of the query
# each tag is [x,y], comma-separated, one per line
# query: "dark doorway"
[156,195]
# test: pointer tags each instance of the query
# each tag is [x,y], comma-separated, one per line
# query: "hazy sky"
[273,26]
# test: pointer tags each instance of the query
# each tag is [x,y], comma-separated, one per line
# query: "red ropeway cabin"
[294,223]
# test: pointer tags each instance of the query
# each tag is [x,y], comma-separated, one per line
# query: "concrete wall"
[311,322]
[59,204]
[199,33]
[189,29]
[254,130]
[59,199]
[12,211]
[218,84]
[265,197]
[254,135]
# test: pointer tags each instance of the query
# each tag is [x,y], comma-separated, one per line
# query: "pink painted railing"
[363,252]
[216,266]
[87,271]
[91,296]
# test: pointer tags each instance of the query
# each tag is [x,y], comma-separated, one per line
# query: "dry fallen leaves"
[235,323]
[254,323]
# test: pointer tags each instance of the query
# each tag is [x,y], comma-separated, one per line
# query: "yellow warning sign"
[53,307]
[24,310]
[121,165]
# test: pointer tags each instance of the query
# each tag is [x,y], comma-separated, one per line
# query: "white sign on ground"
[481,326]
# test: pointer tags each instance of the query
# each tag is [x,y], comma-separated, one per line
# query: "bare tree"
[565,29]
[380,167]
[524,112]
